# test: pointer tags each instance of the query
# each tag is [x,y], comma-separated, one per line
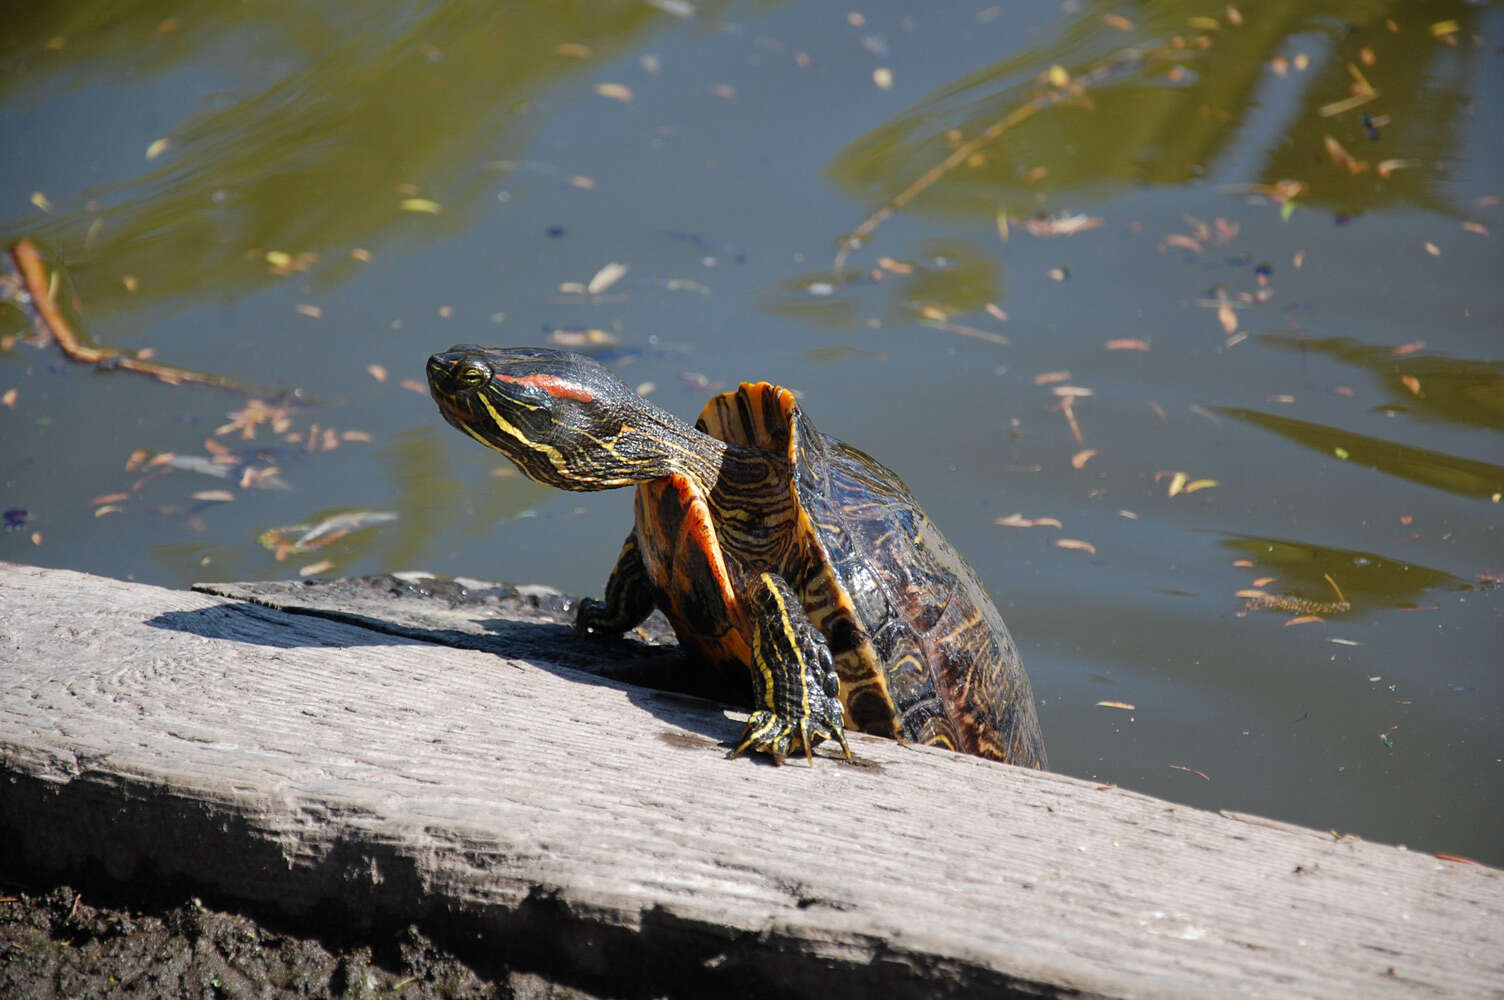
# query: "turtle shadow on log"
[528,624]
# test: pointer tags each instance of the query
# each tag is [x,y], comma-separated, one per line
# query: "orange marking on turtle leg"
[553,385]
[683,558]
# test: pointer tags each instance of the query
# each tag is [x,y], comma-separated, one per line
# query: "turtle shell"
[921,651]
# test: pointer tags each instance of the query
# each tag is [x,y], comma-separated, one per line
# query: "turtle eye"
[473,376]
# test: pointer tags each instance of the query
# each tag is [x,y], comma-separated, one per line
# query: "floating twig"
[28,262]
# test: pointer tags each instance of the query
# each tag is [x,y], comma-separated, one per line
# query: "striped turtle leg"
[794,684]
[628,598]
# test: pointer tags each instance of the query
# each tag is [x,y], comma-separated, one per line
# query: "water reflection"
[1463,476]
[1454,390]
[1366,579]
[316,157]
[1166,112]
[945,278]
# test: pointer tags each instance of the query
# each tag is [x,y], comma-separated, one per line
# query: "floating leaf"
[1064,225]
[1191,770]
[1080,458]
[1227,317]
[1077,544]
[1177,483]
[883,78]
[1046,378]
[1200,484]
[41,201]
[1184,242]
[157,148]
[606,277]
[419,205]
[1125,706]
[615,91]
[9,399]
[321,566]
[377,372]
[584,338]
[1126,344]
[678,8]
[215,496]
[333,528]
[1019,521]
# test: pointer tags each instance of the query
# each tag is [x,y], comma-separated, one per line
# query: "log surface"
[593,828]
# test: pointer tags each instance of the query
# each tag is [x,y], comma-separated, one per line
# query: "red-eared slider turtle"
[771,548]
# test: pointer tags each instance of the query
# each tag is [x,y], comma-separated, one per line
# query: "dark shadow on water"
[1451,390]
[1370,581]
[1462,476]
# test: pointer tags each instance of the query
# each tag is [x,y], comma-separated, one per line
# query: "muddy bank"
[59,942]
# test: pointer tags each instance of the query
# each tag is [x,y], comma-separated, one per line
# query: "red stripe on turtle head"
[553,385]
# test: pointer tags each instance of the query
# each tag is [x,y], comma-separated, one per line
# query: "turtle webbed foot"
[595,620]
[781,736]
[628,598]
[796,692]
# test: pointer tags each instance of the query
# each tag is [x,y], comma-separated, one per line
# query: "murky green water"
[1138,250]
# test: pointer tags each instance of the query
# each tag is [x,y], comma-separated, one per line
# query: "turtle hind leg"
[794,684]
[628,601]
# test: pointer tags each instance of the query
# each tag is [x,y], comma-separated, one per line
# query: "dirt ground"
[57,943]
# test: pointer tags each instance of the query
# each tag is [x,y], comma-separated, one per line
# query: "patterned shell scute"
[952,673]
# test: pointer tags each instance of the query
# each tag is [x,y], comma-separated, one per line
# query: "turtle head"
[563,418]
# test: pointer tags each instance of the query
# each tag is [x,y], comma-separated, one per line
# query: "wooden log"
[592,829]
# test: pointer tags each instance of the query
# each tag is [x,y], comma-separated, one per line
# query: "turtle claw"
[780,736]
[796,692]
[766,731]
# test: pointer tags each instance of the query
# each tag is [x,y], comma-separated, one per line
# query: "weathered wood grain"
[593,827]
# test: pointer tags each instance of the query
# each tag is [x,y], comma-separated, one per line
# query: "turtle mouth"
[448,393]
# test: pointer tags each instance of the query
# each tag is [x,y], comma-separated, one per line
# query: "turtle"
[775,551]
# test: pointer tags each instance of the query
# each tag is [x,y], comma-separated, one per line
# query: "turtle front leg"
[628,598]
[794,684]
